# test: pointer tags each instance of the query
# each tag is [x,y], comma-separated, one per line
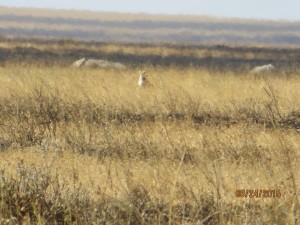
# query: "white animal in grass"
[263,69]
[98,63]
[142,79]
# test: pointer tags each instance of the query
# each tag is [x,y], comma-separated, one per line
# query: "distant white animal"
[79,63]
[98,63]
[264,68]
[142,78]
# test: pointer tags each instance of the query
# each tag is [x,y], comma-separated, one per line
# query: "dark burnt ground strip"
[291,61]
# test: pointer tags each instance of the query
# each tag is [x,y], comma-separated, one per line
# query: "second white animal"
[264,68]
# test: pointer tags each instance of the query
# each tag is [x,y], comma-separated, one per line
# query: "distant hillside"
[143,28]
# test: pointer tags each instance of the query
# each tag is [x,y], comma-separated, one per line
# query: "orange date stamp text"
[258,193]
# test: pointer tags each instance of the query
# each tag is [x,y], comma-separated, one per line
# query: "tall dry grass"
[82,146]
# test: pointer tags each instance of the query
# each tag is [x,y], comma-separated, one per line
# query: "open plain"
[88,146]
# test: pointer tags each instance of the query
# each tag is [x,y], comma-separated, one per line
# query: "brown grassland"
[88,146]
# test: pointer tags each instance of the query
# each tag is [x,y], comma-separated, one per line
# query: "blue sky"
[260,9]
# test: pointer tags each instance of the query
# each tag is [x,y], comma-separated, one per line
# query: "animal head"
[143,74]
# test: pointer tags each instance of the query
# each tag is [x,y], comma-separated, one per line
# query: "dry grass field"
[88,146]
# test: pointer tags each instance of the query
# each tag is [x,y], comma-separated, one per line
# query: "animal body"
[142,78]
[98,63]
[263,69]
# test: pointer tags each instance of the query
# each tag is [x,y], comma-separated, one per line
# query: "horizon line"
[187,15]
